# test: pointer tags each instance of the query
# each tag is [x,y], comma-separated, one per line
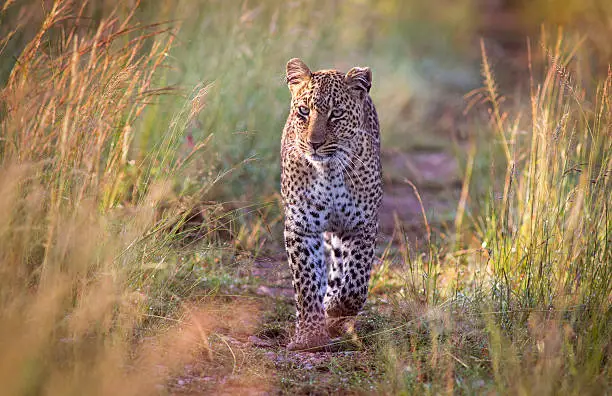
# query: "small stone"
[478,384]
[259,342]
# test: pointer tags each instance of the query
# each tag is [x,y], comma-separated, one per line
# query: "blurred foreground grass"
[139,166]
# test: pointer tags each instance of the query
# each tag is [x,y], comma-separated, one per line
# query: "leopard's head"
[327,109]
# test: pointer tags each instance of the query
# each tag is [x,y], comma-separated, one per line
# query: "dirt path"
[259,363]
[253,358]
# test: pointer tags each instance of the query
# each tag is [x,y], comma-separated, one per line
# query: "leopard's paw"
[306,342]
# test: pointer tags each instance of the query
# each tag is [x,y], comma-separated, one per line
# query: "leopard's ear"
[297,74]
[359,80]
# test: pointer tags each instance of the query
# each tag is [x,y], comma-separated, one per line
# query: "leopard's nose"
[316,145]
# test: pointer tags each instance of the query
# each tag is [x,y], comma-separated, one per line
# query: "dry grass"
[523,306]
[548,236]
[537,290]
[71,301]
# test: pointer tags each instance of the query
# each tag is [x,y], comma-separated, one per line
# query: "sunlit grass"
[81,226]
[526,310]
[548,236]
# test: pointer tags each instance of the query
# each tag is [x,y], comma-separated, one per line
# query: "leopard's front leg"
[305,254]
[346,297]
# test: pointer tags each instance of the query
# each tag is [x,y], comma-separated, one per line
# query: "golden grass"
[523,307]
[547,236]
[69,308]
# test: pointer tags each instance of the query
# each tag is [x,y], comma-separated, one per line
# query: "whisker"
[347,152]
[345,171]
[359,159]
[342,168]
[354,166]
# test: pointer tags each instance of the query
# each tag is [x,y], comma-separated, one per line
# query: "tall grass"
[527,308]
[80,221]
[547,232]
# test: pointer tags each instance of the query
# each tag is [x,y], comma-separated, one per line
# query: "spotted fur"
[331,186]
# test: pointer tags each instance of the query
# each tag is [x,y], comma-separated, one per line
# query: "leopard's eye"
[337,113]
[304,111]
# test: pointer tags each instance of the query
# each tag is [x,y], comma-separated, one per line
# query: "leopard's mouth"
[318,157]
[322,154]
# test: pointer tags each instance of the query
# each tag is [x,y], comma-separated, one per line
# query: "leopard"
[331,190]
